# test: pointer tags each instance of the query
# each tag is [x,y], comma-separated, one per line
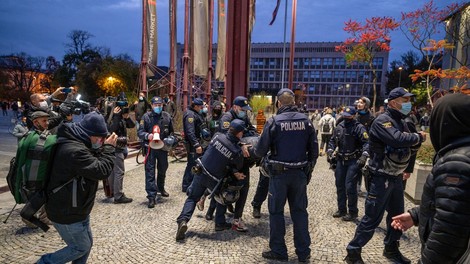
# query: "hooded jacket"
[444,215]
[76,169]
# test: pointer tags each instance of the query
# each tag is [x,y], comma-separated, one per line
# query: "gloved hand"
[361,162]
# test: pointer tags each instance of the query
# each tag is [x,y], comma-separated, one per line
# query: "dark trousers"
[195,191]
[261,191]
[346,185]
[240,203]
[159,157]
[385,193]
[325,139]
[291,185]
[188,176]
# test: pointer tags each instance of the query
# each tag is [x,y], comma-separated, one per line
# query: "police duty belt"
[206,172]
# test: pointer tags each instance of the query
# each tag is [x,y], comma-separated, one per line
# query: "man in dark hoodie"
[80,161]
[442,217]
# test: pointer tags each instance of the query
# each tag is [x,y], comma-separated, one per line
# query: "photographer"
[39,102]
[119,123]
[140,107]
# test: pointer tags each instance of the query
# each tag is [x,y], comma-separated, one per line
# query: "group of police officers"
[221,150]
[219,161]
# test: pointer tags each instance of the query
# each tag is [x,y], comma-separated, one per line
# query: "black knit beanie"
[93,124]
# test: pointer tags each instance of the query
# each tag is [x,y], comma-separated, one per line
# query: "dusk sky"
[40,28]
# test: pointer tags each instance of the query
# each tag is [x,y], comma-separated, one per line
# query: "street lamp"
[399,76]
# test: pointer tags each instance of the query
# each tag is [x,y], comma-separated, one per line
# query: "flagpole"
[186,55]
[284,48]
[144,57]
[292,44]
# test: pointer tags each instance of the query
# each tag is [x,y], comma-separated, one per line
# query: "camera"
[67,90]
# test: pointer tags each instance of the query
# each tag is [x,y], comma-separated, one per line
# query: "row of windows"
[316,76]
[354,90]
[326,63]
[297,49]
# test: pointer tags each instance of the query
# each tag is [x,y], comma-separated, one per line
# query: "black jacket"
[444,214]
[78,169]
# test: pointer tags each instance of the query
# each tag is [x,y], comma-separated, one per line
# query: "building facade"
[457,33]
[320,72]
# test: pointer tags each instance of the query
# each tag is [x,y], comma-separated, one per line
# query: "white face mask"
[43,106]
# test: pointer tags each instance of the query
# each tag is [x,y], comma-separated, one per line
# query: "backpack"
[326,126]
[33,164]
[29,173]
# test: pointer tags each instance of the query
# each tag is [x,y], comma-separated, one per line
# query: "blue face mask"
[96,145]
[241,114]
[204,110]
[157,109]
[405,108]
[362,112]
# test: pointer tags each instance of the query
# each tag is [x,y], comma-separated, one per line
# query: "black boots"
[354,256]
[182,228]
[256,212]
[349,217]
[392,252]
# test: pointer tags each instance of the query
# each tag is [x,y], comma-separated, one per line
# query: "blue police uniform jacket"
[351,138]
[223,155]
[150,119]
[227,117]
[192,122]
[290,137]
[390,142]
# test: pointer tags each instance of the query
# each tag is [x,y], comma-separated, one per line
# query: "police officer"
[239,111]
[192,122]
[119,124]
[213,124]
[222,159]
[291,138]
[351,139]
[365,117]
[163,120]
[389,149]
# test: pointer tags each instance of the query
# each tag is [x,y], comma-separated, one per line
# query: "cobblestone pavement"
[132,233]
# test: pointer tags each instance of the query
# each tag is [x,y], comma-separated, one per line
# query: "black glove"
[361,162]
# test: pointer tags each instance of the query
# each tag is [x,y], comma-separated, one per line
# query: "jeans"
[159,157]
[291,185]
[79,241]
[346,185]
[385,193]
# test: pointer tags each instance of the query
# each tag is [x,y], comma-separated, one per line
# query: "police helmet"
[263,167]
[253,141]
[206,134]
[228,195]
[169,143]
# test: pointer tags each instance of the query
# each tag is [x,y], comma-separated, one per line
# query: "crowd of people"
[373,151]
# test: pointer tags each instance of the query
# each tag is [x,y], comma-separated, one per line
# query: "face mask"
[43,105]
[96,145]
[362,112]
[204,110]
[141,98]
[241,114]
[217,112]
[166,100]
[405,108]
[157,109]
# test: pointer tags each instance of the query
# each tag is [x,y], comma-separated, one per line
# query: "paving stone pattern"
[133,233]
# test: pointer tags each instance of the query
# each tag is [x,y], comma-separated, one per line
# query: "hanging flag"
[221,42]
[275,12]
[152,47]
[201,39]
